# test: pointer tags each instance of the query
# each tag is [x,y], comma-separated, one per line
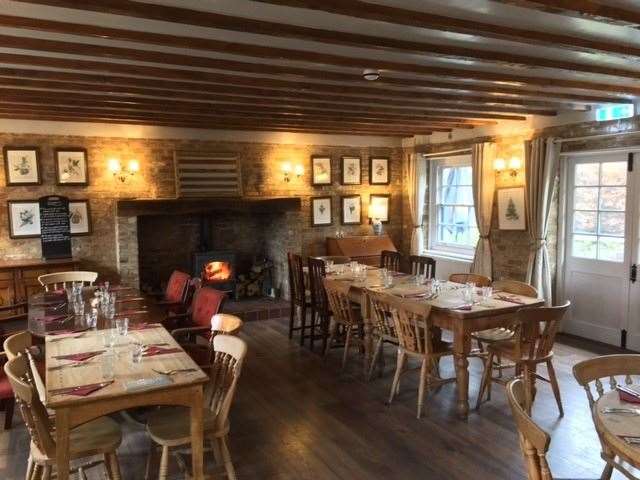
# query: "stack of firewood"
[252,284]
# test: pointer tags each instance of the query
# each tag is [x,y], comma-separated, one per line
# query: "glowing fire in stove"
[217,272]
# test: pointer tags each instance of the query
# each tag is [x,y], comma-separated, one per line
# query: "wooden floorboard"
[296,416]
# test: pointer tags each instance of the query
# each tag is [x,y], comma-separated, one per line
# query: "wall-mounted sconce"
[298,170]
[122,174]
[513,166]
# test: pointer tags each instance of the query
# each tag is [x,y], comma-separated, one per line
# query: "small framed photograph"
[22,166]
[379,207]
[79,217]
[321,211]
[379,171]
[351,209]
[71,166]
[351,171]
[511,213]
[320,170]
[24,218]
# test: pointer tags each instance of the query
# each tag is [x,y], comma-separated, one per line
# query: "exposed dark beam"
[227,22]
[411,88]
[36,96]
[38,44]
[414,18]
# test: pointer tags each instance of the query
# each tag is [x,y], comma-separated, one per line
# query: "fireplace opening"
[216,272]
[217,269]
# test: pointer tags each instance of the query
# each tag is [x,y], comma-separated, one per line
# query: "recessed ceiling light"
[371,74]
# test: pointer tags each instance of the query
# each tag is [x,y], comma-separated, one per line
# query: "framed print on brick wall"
[320,171]
[511,214]
[321,211]
[79,217]
[24,218]
[351,171]
[71,166]
[22,166]
[379,171]
[351,210]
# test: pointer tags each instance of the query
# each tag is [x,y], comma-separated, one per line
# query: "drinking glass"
[78,308]
[387,279]
[69,291]
[435,286]
[328,263]
[108,365]
[353,265]
[137,349]
[91,318]
[486,294]
[467,294]
[109,337]
[122,326]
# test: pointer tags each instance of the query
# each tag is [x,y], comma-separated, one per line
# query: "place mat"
[79,357]
[143,326]
[622,425]
[156,350]
[81,390]
[409,290]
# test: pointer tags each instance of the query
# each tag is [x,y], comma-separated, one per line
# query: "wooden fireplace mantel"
[174,206]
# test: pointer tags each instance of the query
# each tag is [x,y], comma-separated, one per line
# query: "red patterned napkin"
[66,332]
[626,397]
[52,318]
[507,298]
[81,390]
[154,350]
[79,357]
[143,326]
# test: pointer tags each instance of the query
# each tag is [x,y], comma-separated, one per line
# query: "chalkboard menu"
[55,232]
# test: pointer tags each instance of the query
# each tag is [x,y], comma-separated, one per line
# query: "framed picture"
[351,171]
[71,166]
[320,171]
[24,218]
[511,213]
[79,217]
[22,166]
[351,209]
[379,207]
[379,171]
[321,211]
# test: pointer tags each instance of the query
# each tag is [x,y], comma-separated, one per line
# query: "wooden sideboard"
[365,249]
[19,278]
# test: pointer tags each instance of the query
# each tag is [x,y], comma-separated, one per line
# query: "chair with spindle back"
[55,281]
[384,331]
[15,345]
[532,344]
[418,339]
[7,399]
[479,280]
[299,299]
[390,260]
[170,426]
[101,436]
[344,315]
[421,265]
[593,371]
[320,309]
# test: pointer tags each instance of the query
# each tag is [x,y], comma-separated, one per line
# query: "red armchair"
[175,294]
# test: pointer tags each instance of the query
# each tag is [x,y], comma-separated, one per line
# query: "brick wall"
[113,244]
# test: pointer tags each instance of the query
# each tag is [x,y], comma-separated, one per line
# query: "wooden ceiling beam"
[411,88]
[316,58]
[129,85]
[245,25]
[328,103]
[414,18]
[35,96]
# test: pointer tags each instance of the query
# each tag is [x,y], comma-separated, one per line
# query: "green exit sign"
[614,112]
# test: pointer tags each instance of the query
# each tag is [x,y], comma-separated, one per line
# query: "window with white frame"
[452,226]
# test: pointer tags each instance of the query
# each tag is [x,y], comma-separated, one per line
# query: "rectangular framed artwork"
[71,166]
[511,213]
[379,171]
[24,218]
[79,217]
[320,170]
[22,166]
[321,211]
[351,171]
[351,209]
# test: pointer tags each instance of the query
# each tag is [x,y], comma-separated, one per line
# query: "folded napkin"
[79,357]
[143,326]
[67,332]
[52,318]
[157,350]
[81,390]
[510,299]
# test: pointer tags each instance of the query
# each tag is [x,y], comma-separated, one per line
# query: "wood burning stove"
[217,268]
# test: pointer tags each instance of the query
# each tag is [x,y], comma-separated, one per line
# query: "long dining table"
[119,382]
[448,311]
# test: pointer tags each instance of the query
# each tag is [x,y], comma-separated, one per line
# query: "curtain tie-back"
[418,226]
[484,237]
[538,243]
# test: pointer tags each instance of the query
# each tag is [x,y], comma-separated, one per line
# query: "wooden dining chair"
[345,317]
[421,265]
[56,281]
[170,427]
[515,287]
[195,324]
[479,280]
[417,339]
[300,298]
[598,372]
[7,400]
[101,436]
[15,345]
[531,345]
[383,331]
[390,260]
[320,309]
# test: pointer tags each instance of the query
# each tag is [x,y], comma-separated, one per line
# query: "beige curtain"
[541,166]
[416,176]
[484,183]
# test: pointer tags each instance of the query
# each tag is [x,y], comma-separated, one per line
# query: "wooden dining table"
[123,383]
[495,313]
